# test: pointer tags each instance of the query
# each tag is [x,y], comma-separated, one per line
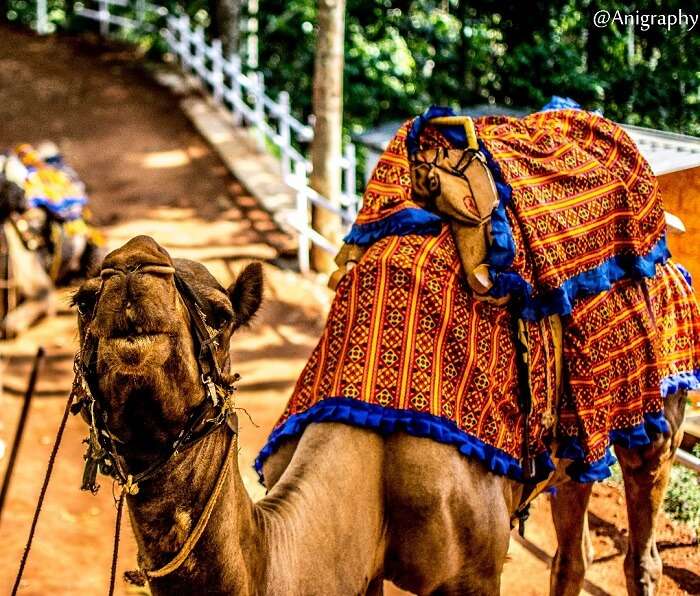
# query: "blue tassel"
[390,420]
[407,221]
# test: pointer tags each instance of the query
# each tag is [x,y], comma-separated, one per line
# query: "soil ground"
[148,172]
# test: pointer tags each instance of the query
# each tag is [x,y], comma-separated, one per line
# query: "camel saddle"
[457,184]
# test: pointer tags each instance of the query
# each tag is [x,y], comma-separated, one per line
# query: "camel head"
[145,373]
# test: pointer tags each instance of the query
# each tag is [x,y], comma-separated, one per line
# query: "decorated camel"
[408,449]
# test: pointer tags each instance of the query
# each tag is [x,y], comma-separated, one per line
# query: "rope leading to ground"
[42,494]
[21,425]
[115,548]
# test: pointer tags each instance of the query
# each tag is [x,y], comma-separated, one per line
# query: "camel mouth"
[137,349]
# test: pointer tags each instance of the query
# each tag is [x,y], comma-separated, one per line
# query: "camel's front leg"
[574,548]
[646,471]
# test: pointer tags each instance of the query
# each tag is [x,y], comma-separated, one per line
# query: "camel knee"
[569,569]
[643,571]
[575,549]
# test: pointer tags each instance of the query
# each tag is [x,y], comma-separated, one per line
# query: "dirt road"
[148,172]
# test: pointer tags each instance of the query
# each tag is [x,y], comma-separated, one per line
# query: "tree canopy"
[401,56]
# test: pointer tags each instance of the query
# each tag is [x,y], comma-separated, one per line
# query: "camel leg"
[375,587]
[476,587]
[574,548]
[484,578]
[646,472]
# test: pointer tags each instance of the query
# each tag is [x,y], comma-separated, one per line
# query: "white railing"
[107,14]
[242,93]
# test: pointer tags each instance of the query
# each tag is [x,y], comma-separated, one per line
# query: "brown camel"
[347,508]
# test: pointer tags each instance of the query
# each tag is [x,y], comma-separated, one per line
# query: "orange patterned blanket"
[579,232]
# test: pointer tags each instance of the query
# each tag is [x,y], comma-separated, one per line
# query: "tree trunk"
[226,24]
[328,110]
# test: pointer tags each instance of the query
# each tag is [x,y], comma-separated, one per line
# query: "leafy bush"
[682,502]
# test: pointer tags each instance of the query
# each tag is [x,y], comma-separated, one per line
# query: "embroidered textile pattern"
[581,196]
[578,232]
[404,333]
[619,346]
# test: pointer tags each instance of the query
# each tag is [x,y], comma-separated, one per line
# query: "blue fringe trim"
[454,134]
[408,221]
[419,424]
[636,436]
[560,301]
[67,208]
[686,380]
[685,273]
[389,420]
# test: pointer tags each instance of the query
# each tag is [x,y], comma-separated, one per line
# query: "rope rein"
[196,534]
[42,494]
[115,548]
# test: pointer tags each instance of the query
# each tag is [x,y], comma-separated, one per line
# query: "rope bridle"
[215,410]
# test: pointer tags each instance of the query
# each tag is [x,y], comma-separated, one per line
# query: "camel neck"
[168,507]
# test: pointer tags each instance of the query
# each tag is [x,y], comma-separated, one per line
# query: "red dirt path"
[148,172]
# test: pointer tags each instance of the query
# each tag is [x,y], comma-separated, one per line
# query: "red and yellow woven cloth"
[579,232]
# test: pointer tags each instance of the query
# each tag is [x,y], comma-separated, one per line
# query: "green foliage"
[403,55]
[682,501]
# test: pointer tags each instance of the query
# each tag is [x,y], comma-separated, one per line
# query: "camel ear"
[246,293]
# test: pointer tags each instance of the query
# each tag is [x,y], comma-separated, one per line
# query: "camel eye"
[84,300]
[221,315]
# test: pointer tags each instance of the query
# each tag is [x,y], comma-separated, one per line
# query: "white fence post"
[235,61]
[252,35]
[173,37]
[259,98]
[217,69]
[199,52]
[285,132]
[186,42]
[42,21]
[104,17]
[302,214]
[141,11]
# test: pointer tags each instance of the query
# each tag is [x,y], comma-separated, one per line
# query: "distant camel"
[347,507]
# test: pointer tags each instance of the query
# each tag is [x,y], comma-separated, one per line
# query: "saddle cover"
[578,232]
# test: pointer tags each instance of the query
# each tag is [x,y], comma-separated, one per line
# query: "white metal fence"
[241,91]
[137,15]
